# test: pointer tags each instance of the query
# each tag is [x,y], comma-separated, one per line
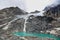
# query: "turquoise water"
[24,34]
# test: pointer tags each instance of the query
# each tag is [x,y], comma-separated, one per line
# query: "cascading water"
[24,17]
[25,24]
[27,16]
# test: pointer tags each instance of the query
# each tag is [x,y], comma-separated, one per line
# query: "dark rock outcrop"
[53,12]
[39,23]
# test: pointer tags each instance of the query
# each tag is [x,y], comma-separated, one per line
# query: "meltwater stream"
[27,16]
[24,33]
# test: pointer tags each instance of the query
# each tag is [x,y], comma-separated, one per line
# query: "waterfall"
[25,24]
[26,16]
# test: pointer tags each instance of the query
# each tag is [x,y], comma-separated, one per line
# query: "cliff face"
[49,21]
[39,23]
[53,12]
[7,16]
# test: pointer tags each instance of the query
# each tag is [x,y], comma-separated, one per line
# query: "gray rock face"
[39,23]
[53,12]
[6,16]
[16,26]
[13,11]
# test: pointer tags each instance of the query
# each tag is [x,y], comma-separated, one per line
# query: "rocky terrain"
[6,16]
[53,12]
[39,24]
